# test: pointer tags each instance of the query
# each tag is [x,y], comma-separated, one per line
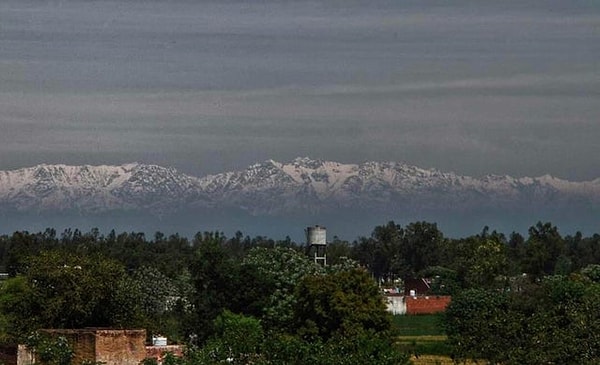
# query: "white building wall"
[396,304]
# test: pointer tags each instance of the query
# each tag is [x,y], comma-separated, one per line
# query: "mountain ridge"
[273,187]
[279,197]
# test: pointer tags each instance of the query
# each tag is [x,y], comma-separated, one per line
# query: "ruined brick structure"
[109,346]
[159,352]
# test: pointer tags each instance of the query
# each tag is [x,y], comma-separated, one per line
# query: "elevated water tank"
[316,235]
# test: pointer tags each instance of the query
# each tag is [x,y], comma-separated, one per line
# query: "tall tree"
[381,253]
[477,261]
[515,253]
[213,274]
[544,246]
[421,246]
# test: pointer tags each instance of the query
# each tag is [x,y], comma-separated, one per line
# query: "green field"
[421,335]
[419,325]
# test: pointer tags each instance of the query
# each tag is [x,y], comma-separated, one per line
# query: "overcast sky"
[474,87]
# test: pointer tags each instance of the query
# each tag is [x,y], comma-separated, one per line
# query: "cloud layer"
[209,86]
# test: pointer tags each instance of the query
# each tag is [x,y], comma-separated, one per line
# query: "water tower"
[316,241]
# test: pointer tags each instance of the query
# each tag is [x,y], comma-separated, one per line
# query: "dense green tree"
[60,289]
[515,253]
[592,272]
[543,248]
[365,250]
[276,272]
[242,340]
[237,246]
[381,253]
[364,348]
[480,325]
[390,259]
[158,293]
[564,324]
[478,261]
[170,255]
[556,321]
[583,251]
[343,303]
[22,245]
[421,246]
[163,301]
[213,276]
[393,252]
[237,340]
[338,251]
[351,315]
[17,301]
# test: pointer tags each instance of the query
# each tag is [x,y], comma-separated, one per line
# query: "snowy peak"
[94,188]
[271,187]
[304,183]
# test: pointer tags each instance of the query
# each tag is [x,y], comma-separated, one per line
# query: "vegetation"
[419,325]
[516,299]
[50,350]
[421,335]
[555,322]
[59,289]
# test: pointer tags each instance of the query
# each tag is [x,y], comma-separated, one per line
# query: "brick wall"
[81,342]
[426,304]
[159,352]
[120,347]
[111,347]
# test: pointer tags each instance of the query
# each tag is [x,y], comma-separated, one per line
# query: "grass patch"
[423,345]
[418,325]
[423,338]
[421,335]
[438,360]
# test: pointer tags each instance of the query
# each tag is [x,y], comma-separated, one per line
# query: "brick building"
[109,346]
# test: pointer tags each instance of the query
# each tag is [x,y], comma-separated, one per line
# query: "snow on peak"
[92,188]
[271,186]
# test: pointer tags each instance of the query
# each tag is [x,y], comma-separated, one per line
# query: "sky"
[474,87]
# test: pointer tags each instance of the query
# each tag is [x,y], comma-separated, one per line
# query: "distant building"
[416,299]
[103,345]
[399,304]
[414,287]
[109,346]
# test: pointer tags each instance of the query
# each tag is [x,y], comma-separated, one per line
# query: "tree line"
[236,300]
[261,300]
[488,259]
[390,252]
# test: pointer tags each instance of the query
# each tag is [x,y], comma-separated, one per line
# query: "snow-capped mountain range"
[275,198]
[302,185]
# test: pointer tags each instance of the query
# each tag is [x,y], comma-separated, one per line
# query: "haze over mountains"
[277,199]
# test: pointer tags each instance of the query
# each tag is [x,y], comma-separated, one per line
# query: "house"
[417,299]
